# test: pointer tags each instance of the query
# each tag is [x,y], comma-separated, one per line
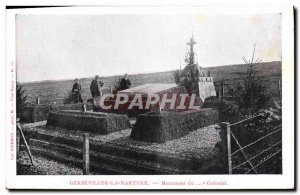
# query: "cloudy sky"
[51,47]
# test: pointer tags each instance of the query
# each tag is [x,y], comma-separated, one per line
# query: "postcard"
[150,97]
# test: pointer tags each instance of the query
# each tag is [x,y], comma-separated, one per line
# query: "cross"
[191,53]
[192,42]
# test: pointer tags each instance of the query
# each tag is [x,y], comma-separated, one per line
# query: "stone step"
[115,149]
[136,165]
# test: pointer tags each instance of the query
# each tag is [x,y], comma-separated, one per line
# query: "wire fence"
[249,157]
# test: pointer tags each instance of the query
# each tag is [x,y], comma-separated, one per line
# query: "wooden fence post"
[83,108]
[37,100]
[86,154]
[219,94]
[25,142]
[225,127]
[18,144]
[279,88]
[222,90]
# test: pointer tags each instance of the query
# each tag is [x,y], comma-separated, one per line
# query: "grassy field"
[56,91]
[50,91]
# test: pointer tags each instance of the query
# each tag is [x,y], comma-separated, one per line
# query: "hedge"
[36,113]
[161,127]
[101,123]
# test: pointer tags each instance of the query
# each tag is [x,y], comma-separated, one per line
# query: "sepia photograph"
[186,93]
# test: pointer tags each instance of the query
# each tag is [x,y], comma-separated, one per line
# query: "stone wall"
[101,123]
[161,127]
[36,113]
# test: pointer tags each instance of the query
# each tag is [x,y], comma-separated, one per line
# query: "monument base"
[206,89]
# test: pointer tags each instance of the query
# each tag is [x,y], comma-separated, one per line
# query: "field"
[56,91]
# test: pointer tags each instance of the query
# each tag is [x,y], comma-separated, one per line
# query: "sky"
[58,47]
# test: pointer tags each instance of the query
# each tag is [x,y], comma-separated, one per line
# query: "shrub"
[229,111]
[249,92]
[91,122]
[161,127]
[35,113]
[177,75]
[189,77]
[70,98]
[21,100]
[117,85]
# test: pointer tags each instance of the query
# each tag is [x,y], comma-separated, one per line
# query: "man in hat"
[125,83]
[95,87]
[76,90]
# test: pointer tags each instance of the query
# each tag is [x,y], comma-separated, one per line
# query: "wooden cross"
[192,42]
[191,55]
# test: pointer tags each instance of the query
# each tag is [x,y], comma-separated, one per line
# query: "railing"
[53,101]
[252,160]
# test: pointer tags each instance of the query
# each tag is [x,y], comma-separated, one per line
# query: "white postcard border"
[284,181]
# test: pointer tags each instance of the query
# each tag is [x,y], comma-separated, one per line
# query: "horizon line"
[88,77]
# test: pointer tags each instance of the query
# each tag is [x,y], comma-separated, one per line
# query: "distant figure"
[125,83]
[95,87]
[76,90]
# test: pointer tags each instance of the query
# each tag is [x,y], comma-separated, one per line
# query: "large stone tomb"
[146,91]
[101,123]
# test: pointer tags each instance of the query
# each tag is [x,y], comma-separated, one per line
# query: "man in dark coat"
[125,83]
[96,84]
[77,91]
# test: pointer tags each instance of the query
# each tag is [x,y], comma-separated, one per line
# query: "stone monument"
[193,76]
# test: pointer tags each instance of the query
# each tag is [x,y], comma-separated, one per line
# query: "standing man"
[96,86]
[125,83]
[77,91]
